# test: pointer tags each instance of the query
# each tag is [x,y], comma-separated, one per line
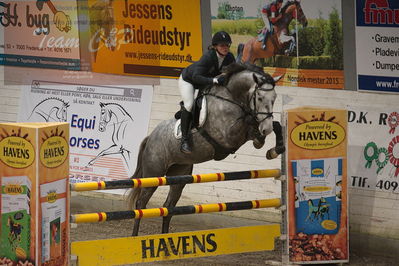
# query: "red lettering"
[378,12]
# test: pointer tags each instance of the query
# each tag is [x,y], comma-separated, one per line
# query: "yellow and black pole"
[160,212]
[172,180]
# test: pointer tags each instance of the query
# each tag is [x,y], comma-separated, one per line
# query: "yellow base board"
[176,245]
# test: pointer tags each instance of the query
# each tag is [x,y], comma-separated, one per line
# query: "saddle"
[198,111]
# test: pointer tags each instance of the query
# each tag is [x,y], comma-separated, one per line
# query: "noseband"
[255,112]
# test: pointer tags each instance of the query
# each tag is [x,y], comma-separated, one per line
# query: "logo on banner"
[54,151]
[16,152]
[379,12]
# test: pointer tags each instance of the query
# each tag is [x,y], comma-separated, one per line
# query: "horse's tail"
[240,50]
[135,192]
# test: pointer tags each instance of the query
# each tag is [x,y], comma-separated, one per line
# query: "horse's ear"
[256,79]
[276,79]
[101,105]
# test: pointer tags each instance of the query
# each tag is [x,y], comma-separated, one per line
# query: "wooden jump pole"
[159,212]
[172,180]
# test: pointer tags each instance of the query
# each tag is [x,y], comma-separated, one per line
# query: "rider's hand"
[220,80]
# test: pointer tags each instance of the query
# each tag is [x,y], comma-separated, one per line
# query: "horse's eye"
[260,99]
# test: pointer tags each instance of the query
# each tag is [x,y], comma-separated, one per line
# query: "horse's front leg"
[111,150]
[279,148]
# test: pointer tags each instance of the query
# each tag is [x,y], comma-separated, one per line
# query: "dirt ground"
[123,228]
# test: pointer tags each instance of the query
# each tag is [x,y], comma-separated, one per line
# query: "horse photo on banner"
[301,39]
[107,124]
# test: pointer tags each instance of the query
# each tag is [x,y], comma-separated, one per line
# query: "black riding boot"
[185,125]
[265,40]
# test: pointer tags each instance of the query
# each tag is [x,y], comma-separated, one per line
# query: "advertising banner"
[107,124]
[41,33]
[374,163]
[175,246]
[34,194]
[152,38]
[377,45]
[317,185]
[301,39]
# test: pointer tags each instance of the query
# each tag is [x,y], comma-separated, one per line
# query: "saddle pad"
[202,119]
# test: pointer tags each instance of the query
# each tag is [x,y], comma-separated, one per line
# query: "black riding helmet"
[221,37]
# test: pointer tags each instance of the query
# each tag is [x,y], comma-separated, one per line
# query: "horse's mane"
[117,104]
[237,67]
[53,98]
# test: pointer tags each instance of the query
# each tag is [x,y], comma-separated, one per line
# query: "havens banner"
[152,38]
[40,33]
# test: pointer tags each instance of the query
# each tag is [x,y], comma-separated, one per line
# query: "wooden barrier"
[175,246]
[159,212]
[171,180]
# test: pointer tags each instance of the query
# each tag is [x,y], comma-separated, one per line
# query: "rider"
[200,75]
[271,14]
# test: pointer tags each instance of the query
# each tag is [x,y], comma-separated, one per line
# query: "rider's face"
[223,48]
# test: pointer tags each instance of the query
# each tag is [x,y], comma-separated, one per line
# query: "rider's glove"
[220,80]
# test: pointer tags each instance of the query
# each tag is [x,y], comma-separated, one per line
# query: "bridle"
[252,113]
[255,111]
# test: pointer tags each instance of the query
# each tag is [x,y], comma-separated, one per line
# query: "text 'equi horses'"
[279,41]
[241,110]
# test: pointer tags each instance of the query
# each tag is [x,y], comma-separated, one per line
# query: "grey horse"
[239,111]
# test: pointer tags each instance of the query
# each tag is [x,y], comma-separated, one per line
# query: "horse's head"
[62,112]
[293,10]
[105,117]
[262,97]
[108,28]
[299,14]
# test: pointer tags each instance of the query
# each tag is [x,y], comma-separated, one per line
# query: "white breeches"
[266,21]
[187,93]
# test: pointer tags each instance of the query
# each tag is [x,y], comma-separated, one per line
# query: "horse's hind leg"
[174,192]
[141,203]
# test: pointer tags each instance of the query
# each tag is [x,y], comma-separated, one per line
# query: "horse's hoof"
[271,154]
[258,144]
